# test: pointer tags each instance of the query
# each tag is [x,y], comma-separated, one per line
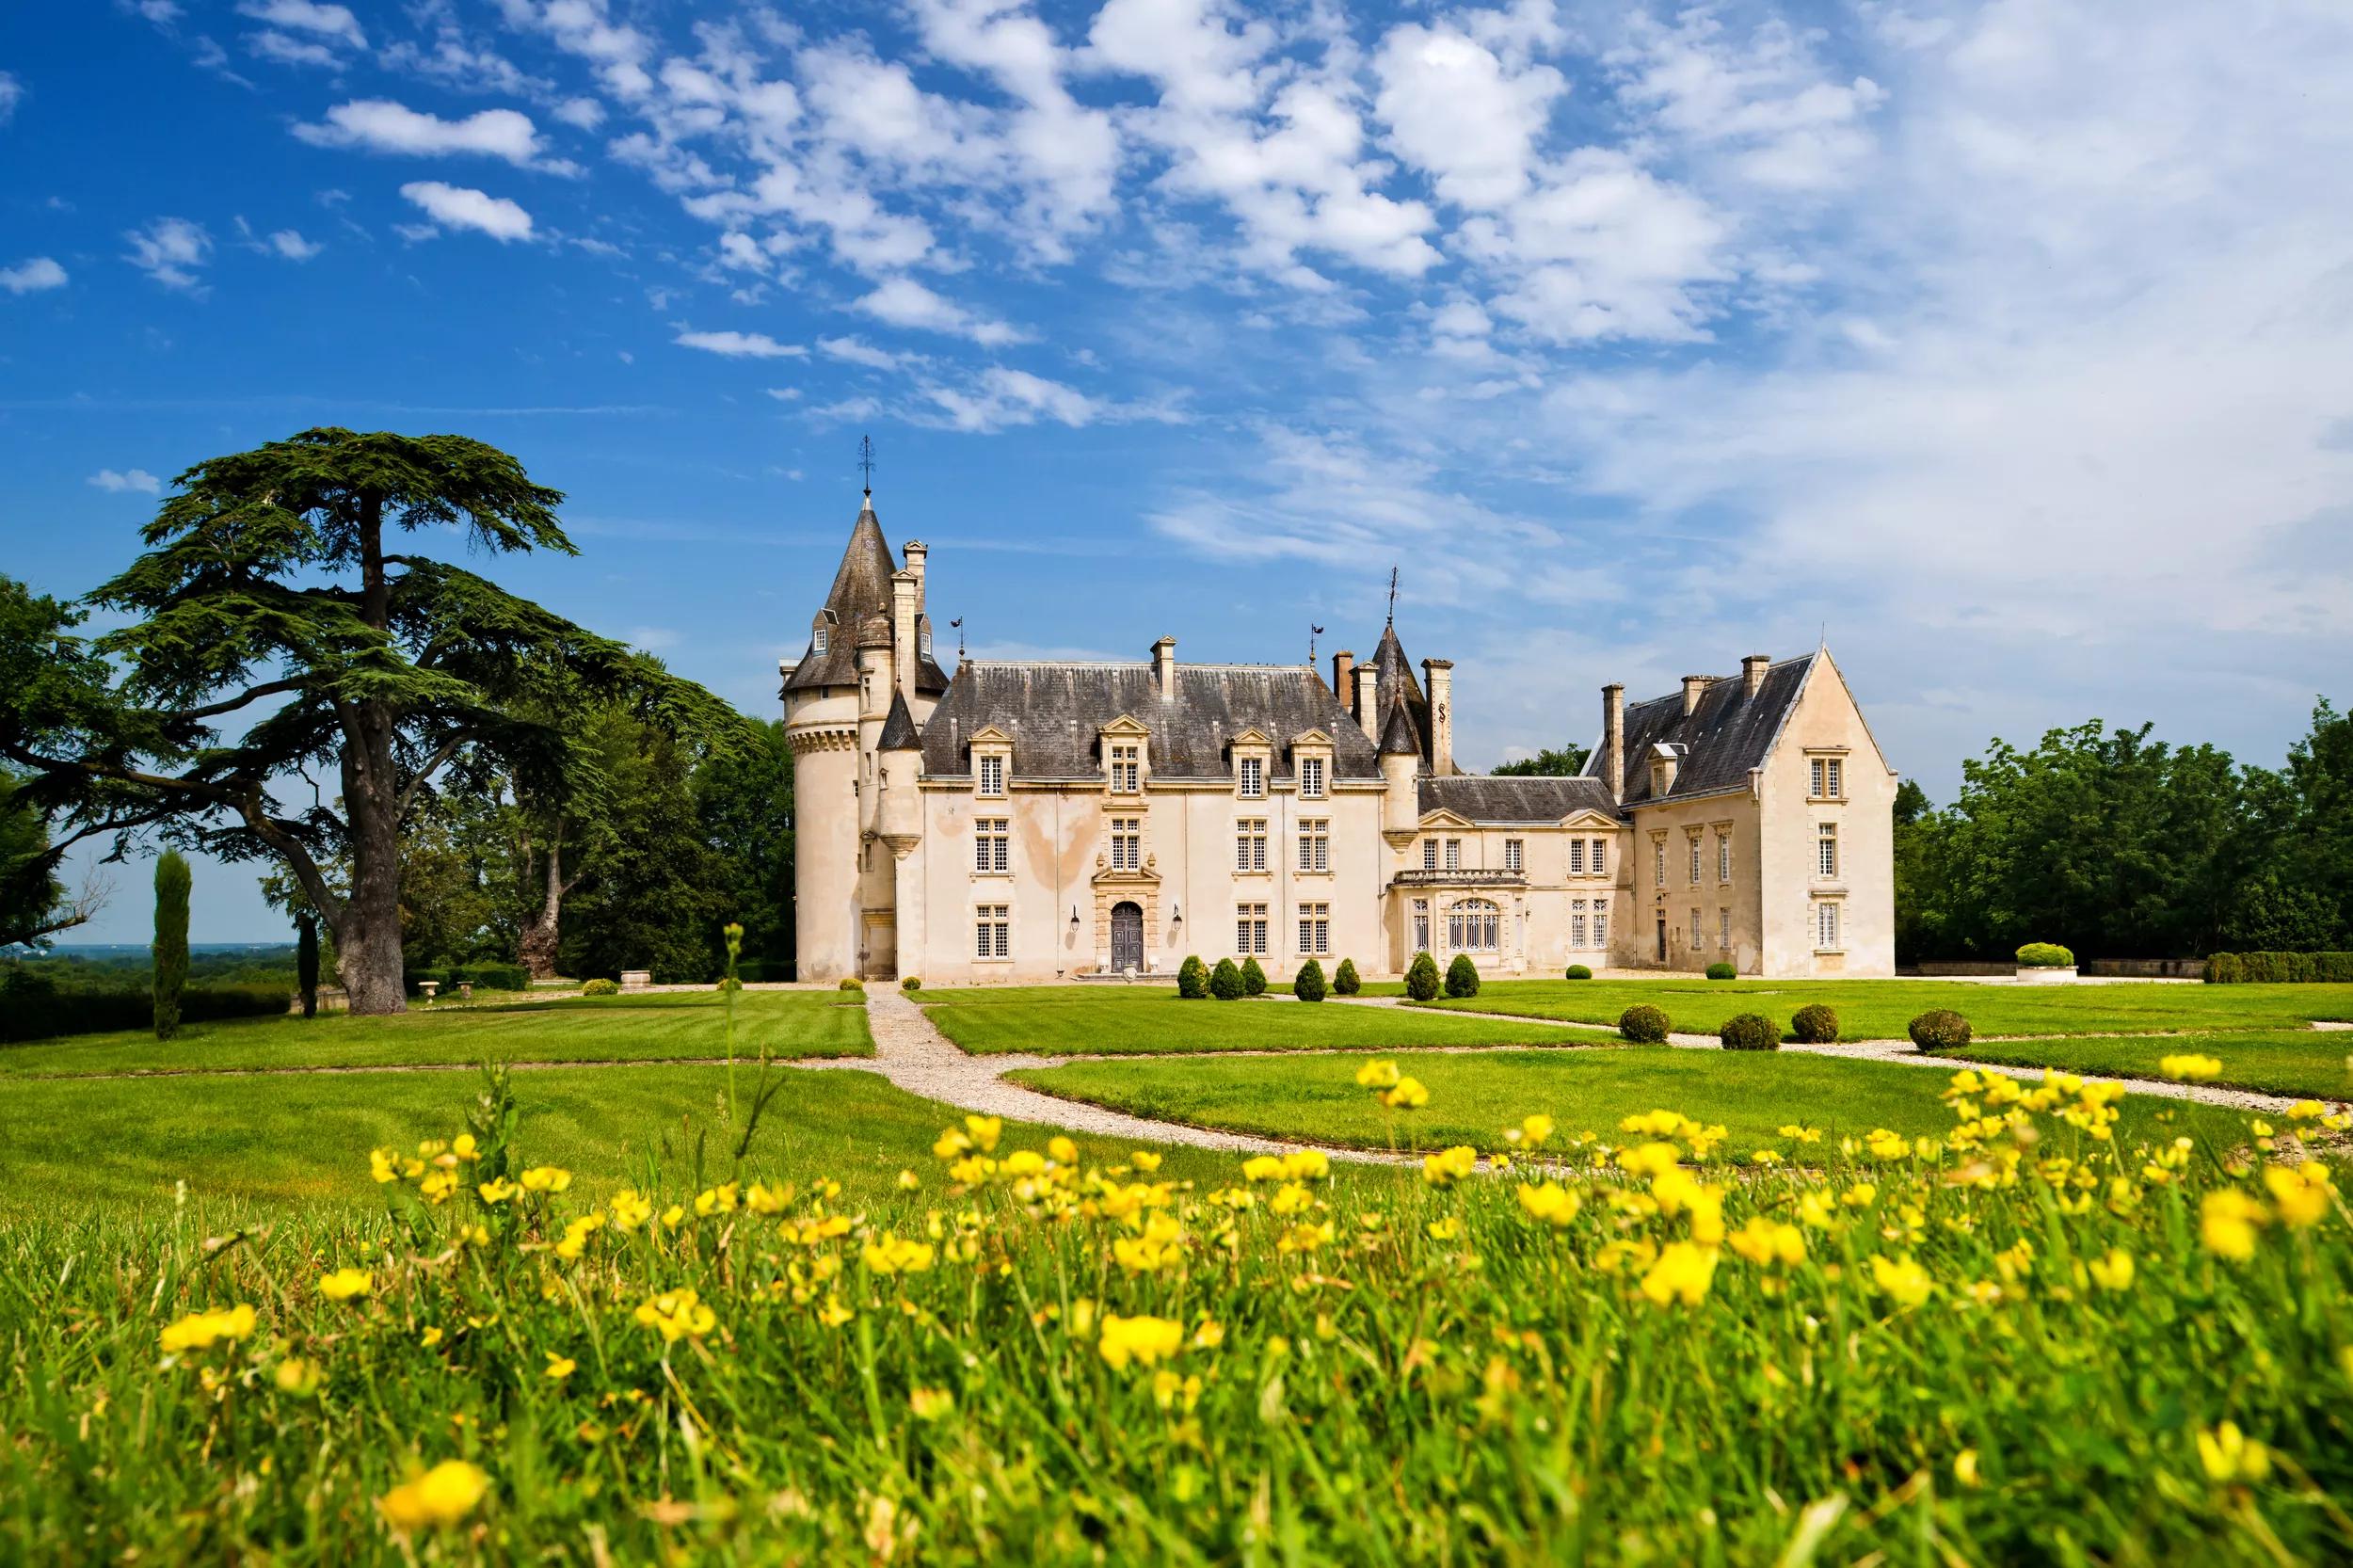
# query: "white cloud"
[1455,110]
[461,207]
[380,125]
[741,345]
[904,302]
[137,480]
[1764,101]
[285,48]
[32,276]
[585,114]
[306,16]
[290,243]
[169,250]
[586,28]
[1002,398]
[11,95]
[857,352]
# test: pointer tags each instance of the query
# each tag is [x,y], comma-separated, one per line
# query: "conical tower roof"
[861,589]
[1397,688]
[898,731]
[1397,736]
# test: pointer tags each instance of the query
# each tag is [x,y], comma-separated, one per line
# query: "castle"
[1035,821]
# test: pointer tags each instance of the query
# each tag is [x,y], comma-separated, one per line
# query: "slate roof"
[898,730]
[1398,738]
[1055,713]
[861,588]
[1512,799]
[1726,735]
[1395,683]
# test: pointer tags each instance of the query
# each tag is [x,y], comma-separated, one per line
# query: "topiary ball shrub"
[1643,1024]
[1940,1029]
[1345,982]
[1192,979]
[1308,985]
[602,989]
[1462,977]
[1225,981]
[1579,971]
[1814,1025]
[2045,955]
[912,983]
[1723,971]
[851,983]
[1750,1032]
[1253,978]
[1421,978]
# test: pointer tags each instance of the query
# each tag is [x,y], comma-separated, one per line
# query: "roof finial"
[1392,620]
[866,461]
[959,624]
[1313,633]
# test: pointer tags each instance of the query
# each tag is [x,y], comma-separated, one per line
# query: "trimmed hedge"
[601,987]
[1462,977]
[1421,978]
[1193,979]
[1253,978]
[2279,969]
[1308,985]
[1723,971]
[1643,1024]
[851,983]
[1345,982]
[32,1010]
[2045,955]
[1225,982]
[1579,971]
[1814,1025]
[1750,1032]
[912,983]
[1940,1029]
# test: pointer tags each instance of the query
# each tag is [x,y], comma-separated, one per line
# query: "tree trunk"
[540,939]
[367,939]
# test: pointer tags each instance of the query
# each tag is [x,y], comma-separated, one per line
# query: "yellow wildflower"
[384,1164]
[1264,1167]
[1901,1278]
[1144,1161]
[201,1331]
[1764,1242]
[1965,1467]
[560,1366]
[891,1256]
[677,1315]
[2227,1222]
[1532,1131]
[1062,1151]
[631,1208]
[297,1377]
[1306,1165]
[1406,1094]
[1376,1075]
[496,1191]
[2190,1068]
[342,1284]
[2229,1454]
[931,1404]
[430,1337]
[1169,1390]
[1649,1159]
[985,1131]
[1682,1274]
[2114,1272]
[547,1179]
[1552,1203]
[1142,1340]
[442,1495]
[1450,1165]
[2301,1194]
[1448,1229]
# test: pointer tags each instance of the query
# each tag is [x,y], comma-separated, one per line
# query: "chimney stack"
[1753,670]
[917,551]
[1344,671]
[1695,687]
[1437,678]
[1613,740]
[1165,667]
[1369,700]
[906,595]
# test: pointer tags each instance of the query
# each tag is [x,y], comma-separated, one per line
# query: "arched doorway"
[1127,937]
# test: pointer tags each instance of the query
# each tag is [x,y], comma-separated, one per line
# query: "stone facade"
[1036,822]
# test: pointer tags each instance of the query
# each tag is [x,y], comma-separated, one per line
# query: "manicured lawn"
[1473,1097]
[1035,996]
[68,1145]
[664,1026]
[2299,1061]
[1137,1022]
[1879,1009]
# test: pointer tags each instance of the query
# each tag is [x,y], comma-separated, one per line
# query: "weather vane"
[1313,633]
[1392,596]
[866,461]
[958,625]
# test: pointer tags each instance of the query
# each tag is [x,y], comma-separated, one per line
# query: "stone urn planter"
[2047,974]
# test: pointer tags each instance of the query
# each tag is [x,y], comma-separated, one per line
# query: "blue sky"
[2012,343]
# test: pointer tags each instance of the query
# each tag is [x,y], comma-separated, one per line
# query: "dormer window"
[925,637]
[1127,769]
[1311,777]
[992,776]
[822,638]
[1253,777]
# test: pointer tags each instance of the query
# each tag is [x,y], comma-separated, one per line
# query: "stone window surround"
[1813,914]
[1816,756]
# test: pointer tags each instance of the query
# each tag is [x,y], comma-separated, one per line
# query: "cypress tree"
[170,951]
[307,962]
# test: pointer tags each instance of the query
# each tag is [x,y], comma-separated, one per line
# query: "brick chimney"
[1438,680]
[1344,671]
[1165,667]
[1753,670]
[1613,740]
[1695,687]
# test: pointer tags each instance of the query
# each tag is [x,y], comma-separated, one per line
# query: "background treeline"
[2120,846]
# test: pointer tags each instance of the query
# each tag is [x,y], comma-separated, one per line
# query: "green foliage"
[1579,971]
[1750,1032]
[1939,1028]
[911,983]
[850,983]
[743,800]
[728,983]
[1345,982]
[1421,978]
[33,902]
[1566,762]
[600,986]
[1644,1024]
[33,1006]
[1462,977]
[1813,1025]
[307,963]
[1193,979]
[172,882]
[1723,971]
[1308,985]
[1253,978]
[1225,982]
[2274,969]
[2044,956]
